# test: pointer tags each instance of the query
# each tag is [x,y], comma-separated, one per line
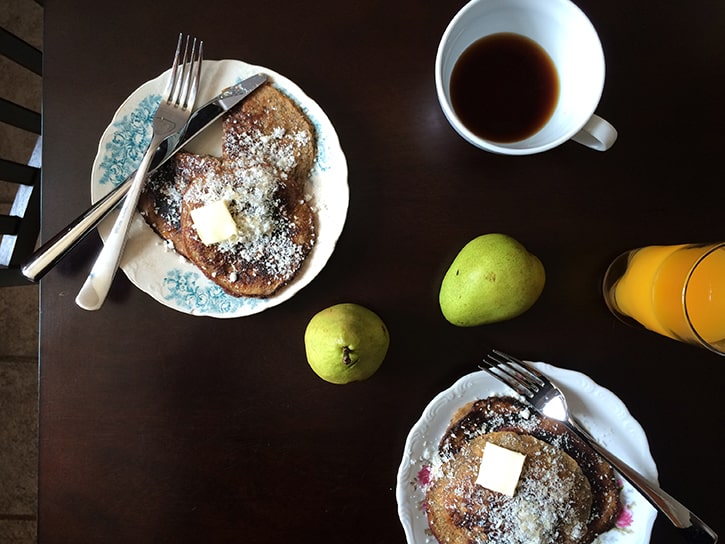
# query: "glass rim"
[704,343]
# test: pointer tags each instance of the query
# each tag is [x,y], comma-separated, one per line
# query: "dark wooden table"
[156,426]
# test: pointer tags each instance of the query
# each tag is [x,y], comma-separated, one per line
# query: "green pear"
[493,278]
[346,343]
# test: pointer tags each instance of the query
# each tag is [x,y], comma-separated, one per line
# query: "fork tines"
[512,371]
[190,63]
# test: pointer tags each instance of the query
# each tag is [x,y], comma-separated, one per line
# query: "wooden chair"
[19,227]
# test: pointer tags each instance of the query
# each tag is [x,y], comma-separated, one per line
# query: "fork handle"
[95,289]
[693,528]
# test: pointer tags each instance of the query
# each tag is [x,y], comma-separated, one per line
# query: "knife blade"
[51,252]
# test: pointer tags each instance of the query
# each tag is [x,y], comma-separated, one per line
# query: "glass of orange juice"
[677,291]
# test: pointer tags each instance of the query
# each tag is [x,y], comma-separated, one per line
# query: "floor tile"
[18,438]
[19,321]
[18,531]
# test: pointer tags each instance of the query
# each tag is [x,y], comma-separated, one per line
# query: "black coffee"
[504,87]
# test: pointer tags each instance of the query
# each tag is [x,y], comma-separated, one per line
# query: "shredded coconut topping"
[267,153]
[553,499]
[248,183]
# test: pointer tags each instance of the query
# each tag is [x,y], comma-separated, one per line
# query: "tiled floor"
[18,312]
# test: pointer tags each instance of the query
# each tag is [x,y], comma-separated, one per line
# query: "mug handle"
[597,133]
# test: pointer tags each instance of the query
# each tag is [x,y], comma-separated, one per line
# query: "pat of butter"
[213,222]
[500,469]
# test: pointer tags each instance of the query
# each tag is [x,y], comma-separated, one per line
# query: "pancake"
[161,199]
[275,230]
[552,501]
[506,414]
[268,151]
[268,130]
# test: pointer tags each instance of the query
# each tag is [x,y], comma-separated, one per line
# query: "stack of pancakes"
[268,151]
[566,493]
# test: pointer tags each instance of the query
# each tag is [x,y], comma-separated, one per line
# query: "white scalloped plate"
[604,415]
[159,271]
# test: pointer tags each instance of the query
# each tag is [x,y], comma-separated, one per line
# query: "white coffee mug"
[572,43]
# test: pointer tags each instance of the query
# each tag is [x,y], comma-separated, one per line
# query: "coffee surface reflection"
[504,87]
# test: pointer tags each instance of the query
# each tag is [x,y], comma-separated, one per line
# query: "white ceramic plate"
[160,272]
[605,416]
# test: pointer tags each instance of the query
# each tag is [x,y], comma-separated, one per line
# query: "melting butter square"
[500,469]
[213,222]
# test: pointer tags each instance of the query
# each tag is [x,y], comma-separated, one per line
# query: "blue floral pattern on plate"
[131,137]
[192,290]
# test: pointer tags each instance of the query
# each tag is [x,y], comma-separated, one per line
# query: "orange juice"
[705,298]
[677,291]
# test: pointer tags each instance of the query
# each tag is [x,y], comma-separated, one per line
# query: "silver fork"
[547,398]
[174,110]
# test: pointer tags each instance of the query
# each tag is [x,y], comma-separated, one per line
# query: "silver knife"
[57,247]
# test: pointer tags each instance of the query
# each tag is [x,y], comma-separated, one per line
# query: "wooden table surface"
[156,426]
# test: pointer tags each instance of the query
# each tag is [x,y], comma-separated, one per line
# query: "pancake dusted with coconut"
[565,492]
[269,131]
[552,501]
[243,219]
[273,224]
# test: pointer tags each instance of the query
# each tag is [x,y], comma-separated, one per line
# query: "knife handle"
[57,247]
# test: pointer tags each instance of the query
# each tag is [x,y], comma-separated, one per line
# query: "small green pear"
[346,343]
[493,278]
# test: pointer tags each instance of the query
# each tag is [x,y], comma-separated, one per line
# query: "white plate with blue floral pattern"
[602,413]
[159,271]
